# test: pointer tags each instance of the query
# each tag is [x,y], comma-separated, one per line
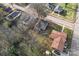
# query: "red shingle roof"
[59,39]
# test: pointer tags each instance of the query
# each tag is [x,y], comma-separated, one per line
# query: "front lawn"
[70,12]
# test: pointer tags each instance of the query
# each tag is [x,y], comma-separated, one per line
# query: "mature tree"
[41,9]
[4,44]
[66,4]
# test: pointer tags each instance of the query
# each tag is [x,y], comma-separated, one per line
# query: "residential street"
[27,9]
[75,39]
[60,22]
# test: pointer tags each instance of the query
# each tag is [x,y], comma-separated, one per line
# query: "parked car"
[58,9]
[57,52]
[52,6]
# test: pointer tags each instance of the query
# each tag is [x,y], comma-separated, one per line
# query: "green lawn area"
[69,6]
[43,41]
[69,37]
[70,10]
[55,27]
[6,23]
[1,9]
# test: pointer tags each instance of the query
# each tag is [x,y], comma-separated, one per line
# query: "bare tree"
[41,9]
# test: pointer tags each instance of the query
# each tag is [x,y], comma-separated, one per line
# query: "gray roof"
[42,25]
[52,5]
[58,9]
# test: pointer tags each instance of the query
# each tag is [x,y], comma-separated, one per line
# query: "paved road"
[75,40]
[32,12]
[60,22]
[27,9]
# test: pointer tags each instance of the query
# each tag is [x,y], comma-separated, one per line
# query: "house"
[41,25]
[13,15]
[58,9]
[58,40]
[26,21]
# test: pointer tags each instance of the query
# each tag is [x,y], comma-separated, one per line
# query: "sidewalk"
[75,39]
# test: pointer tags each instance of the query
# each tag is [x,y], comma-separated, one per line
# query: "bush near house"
[7,24]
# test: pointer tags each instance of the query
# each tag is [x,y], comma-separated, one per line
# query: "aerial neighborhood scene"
[39,29]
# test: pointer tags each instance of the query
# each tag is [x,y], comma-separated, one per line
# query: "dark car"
[57,52]
[52,6]
[58,9]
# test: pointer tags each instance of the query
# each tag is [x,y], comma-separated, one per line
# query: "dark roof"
[41,25]
[52,5]
[58,9]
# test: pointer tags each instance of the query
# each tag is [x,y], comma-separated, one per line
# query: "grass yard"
[70,12]
[69,37]
[1,9]
[55,27]
[42,40]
